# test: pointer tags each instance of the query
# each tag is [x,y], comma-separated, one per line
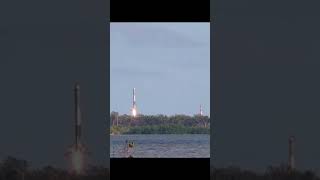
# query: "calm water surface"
[162,145]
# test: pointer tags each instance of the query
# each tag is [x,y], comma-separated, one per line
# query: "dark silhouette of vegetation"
[16,169]
[272,173]
[159,124]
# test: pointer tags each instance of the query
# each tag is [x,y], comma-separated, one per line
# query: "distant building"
[114,118]
[291,160]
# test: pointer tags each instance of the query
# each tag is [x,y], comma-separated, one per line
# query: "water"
[162,145]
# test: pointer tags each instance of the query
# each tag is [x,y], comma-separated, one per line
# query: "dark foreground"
[272,173]
[15,169]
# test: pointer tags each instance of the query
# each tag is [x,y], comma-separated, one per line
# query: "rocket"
[134,106]
[78,153]
[77,114]
[201,112]
[134,98]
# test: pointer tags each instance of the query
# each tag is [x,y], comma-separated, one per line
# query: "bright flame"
[77,161]
[134,112]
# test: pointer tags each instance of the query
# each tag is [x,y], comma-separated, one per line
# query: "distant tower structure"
[134,106]
[201,112]
[114,118]
[291,162]
[117,118]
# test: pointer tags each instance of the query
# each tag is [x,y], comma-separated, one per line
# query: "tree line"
[159,124]
[16,169]
[272,173]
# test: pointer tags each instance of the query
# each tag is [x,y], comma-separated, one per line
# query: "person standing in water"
[129,148]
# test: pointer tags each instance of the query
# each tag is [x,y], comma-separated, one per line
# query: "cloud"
[151,35]
[131,72]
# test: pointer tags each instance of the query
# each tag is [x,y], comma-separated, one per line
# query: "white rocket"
[134,106]
[134,98]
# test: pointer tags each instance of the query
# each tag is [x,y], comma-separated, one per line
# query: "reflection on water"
[162,145]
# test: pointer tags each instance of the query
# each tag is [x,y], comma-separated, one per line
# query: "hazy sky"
[167,63]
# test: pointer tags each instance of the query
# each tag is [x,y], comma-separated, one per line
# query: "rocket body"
[77,152]
[77,114]
[134,98]
[134,106]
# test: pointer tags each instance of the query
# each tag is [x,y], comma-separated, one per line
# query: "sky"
[167,63]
